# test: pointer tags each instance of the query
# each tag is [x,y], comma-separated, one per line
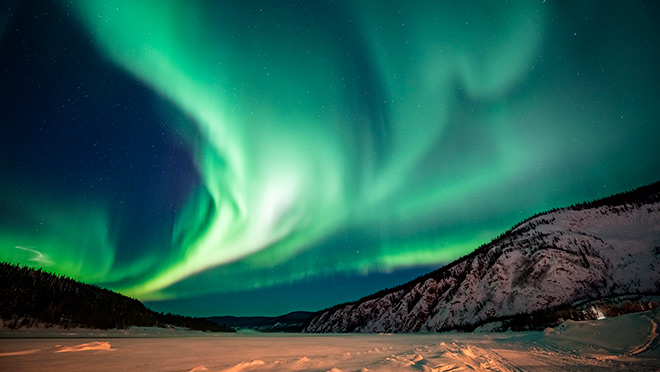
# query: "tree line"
[30,297]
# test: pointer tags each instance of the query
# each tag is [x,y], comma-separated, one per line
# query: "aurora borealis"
[210,156]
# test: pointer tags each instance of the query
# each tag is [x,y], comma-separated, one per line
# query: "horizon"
[396,283]
[254,159]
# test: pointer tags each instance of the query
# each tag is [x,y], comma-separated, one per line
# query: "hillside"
[291,322]
[31,297]
[602,249]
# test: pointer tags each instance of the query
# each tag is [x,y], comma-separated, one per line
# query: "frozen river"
[625,343]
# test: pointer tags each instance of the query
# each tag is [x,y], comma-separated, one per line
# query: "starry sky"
[260,157]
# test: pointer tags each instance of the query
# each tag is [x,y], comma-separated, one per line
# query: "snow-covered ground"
[629,342]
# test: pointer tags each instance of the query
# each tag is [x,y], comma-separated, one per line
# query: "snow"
[628,342]
[550,260]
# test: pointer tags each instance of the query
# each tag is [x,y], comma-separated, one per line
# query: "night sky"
[260,157]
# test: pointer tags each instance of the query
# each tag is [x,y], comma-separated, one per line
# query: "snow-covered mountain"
[593,250]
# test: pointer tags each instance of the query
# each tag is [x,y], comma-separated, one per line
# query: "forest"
[30,298]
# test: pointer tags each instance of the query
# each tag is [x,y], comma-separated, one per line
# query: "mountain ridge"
[290,322]
[433,302]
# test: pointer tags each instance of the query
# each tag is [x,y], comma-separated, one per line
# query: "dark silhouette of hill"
[291,322]
[29,297]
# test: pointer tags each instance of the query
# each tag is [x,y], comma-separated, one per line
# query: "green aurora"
[347,137]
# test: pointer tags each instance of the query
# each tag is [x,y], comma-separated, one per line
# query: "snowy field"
[628,342]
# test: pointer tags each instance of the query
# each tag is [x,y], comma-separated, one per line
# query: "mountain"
[291,322]
[30,297]
[541,267]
